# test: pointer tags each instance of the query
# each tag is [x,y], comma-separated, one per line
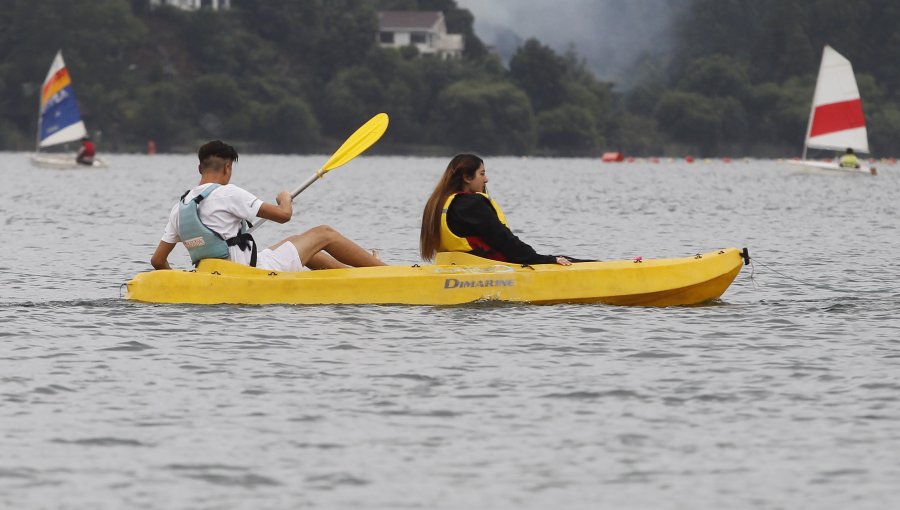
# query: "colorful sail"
[837,121]
[60,120]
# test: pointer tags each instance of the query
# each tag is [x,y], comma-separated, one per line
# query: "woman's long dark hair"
[462,165]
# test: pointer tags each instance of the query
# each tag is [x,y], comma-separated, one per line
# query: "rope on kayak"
[789,277]
[752,271]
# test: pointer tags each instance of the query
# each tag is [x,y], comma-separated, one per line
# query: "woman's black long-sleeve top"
[471,214]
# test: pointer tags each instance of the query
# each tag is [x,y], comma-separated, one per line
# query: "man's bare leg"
[325,238]
[323,260]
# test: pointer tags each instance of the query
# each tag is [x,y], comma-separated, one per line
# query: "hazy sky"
[609,34]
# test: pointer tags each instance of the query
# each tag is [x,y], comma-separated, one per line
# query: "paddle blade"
[358,142]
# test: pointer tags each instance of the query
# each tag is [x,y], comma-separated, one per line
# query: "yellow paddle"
[359,141]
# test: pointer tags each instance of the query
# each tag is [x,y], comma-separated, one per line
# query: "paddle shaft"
[313,178]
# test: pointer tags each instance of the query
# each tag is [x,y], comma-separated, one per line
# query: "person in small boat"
[460,216]
[849,159]
[212,220]
[88,151]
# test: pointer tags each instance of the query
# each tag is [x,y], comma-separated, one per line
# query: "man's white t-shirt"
[222,211]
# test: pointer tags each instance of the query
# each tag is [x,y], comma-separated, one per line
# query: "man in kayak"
[87,152]
[212,220]
[460,216]
[849,159]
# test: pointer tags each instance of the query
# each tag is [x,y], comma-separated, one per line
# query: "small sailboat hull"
[832,167]
[63,161]
[454,279]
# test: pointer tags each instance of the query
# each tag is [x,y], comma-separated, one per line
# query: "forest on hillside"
[289,76]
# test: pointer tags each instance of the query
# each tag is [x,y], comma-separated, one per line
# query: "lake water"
[784,394]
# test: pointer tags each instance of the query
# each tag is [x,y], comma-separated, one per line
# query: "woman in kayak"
[460,216]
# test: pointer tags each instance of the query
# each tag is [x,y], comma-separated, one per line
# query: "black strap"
[198,198]
[573,259]
[244,241]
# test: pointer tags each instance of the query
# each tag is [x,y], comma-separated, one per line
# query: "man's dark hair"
[218,149]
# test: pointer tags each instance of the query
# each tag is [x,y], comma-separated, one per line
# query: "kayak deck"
[455,278]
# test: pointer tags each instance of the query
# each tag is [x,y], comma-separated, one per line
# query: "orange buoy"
[612,157]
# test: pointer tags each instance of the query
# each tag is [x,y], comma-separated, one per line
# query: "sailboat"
[59,120]
[836,120]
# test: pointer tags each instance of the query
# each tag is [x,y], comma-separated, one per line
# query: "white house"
[193,5]
[424,29]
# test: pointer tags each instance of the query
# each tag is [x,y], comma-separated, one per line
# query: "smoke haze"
[611,35]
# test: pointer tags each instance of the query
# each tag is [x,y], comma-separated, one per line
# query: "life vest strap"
[199,198]
[244,241]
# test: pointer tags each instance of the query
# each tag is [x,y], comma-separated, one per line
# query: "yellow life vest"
[452,242]
[849,161]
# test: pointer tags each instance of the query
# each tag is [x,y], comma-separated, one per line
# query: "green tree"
[701,121]
[567,130]
[790,109]
[637,135]
[292,127]
[584,91]
[217,93]
[539,71]
[717,76]
[347,32]
[288,23]
[354,94]
[404,92]
[883,125]
[158,115]
[492,118]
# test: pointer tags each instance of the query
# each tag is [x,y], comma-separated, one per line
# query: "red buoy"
[612,157]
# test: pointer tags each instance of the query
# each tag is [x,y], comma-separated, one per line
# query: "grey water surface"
[784,394]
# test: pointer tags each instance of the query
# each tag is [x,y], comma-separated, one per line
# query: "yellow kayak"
[455,278]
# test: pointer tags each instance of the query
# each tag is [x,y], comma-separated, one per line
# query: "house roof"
[421,20]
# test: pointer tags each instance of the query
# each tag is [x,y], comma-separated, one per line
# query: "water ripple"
[101,441]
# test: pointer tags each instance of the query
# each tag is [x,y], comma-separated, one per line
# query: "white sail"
[836,121]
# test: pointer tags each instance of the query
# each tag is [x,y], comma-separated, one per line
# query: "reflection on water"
[782,395]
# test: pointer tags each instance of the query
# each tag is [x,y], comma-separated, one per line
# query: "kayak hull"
[455,278]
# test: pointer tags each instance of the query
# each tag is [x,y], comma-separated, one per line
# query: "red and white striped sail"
[836,121]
